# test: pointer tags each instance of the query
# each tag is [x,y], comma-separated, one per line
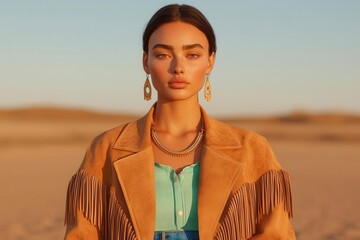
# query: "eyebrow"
[185,47]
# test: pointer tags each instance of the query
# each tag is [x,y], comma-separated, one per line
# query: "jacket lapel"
[136,177]
[218,172]
[135,173]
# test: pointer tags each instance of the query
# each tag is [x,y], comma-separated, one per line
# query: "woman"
[177,173]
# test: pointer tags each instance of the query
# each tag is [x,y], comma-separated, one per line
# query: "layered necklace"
[181,153]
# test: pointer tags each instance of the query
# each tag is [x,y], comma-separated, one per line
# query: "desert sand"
[40,149]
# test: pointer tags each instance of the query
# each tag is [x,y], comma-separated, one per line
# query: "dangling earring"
[147,89]
[207,89]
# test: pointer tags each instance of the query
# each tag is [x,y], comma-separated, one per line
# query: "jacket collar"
[135,173]
[136,136]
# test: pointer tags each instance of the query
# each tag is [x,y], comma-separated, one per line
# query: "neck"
[177,117]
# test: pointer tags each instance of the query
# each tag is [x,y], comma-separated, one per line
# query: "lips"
[178,83]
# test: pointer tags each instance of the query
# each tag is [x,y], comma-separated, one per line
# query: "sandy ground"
[38,157]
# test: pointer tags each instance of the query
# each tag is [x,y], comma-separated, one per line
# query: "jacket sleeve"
[92,208]
[85,207]
[93,212]
[87,196]
[275,225]
[277,207]
[261,204]
[82,229]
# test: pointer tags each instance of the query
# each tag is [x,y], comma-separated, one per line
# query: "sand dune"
[41,148]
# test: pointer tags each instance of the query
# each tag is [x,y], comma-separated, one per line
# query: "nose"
[178,66]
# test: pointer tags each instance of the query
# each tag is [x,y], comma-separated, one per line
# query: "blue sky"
[273,57]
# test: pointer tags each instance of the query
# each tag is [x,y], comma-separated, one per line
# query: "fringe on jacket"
[252,201]
[246,207]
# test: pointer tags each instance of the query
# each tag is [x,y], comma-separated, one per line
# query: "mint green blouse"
[176,198]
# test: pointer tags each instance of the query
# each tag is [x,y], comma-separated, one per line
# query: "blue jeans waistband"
[177,235]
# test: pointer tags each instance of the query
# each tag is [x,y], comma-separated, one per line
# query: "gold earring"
[147,89]
[207,89]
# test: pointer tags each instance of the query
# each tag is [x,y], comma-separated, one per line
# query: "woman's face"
[178,61]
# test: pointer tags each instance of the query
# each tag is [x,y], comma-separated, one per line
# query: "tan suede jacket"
[243,192]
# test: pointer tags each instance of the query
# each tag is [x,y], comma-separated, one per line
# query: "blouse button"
[180,213]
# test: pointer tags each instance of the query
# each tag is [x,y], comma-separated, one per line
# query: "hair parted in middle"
[183,13]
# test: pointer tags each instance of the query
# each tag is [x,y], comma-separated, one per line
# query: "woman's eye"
[193,56]
[162,55]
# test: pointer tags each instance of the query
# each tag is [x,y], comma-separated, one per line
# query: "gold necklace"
[181,153]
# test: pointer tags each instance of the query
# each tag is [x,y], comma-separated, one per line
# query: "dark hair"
[183,13]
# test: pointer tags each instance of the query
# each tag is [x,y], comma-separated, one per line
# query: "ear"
[145,62]
[211,63]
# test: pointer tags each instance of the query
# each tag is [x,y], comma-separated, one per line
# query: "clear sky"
[273,57]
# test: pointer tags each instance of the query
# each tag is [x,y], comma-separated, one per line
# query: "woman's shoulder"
[97,151]
[249,142]
[109,136]
[253,149]
[244,135]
